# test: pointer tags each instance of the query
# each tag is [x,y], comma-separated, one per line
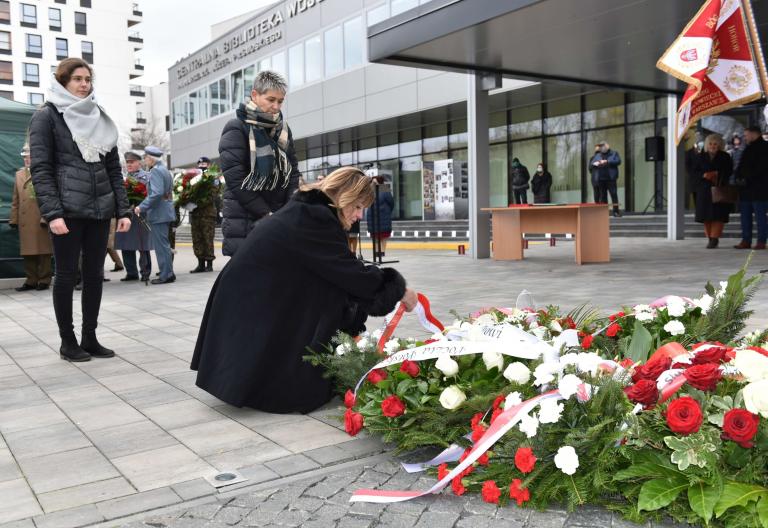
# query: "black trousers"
[90,238]
[520,196]
[605,187]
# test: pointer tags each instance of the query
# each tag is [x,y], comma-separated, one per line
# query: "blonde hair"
[716,138]
[345,186]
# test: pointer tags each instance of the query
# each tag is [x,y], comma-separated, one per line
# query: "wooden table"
[588,223]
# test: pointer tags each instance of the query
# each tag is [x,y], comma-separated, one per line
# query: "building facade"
[344,110]
[36,34]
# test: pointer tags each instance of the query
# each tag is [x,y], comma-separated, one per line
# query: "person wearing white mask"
[541,183]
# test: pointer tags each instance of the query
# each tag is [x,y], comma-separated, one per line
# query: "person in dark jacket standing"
[711,168]
[79,185]
[138,238]
[752,177]
[593,174]
[378,218]
[606,163]
[518,183]
[258,160]
[541,183]
[292,285]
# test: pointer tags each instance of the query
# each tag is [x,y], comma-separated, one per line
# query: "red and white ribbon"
[422,310]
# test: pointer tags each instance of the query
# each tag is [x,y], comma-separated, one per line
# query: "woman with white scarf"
[79,186]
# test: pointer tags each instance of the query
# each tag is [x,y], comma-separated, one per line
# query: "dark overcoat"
[753,171]
[291,285]
[385,204]
[706,210]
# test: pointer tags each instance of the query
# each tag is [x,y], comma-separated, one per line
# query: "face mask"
[700,144]
[539,169]
[603,149]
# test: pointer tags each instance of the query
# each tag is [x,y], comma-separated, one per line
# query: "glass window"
[408,200]
[640,108]
[54,19]
[498,165]
[62,49]
[6,72]
[353,43]
[435,137]
[5,12]
[237,88]
[615,138]
[86,48]
[177,114]
[35,99]
[603,109]
[5,94]
[334,51]
[399,6]
[81,23]
[497,127]
[5,42]
[377,14]
[458,137]
[565,164]
[366,150]
[296,65]
[249,75]
[191,108]
[525,122]
[347,156]
[278,63]
[643,173]
[34,45]
[85,3]
[28,15]
[31,73]
[387,146]
[265,64]
[563,116]
[410,142]
[218,96]
[313,55]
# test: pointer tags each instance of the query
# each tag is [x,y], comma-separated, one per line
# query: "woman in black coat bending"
[292,284]
[79,186]
[711,168]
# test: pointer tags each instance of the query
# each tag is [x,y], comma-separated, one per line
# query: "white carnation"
[675,327]
[555,326]
[675,306]
[569,385]
[529,425]
[447,365]
[363,343]
[343,349]
[540,332]
[512,399]
[493,359]
[545,373]
[517,372]
[567,460]
[705,303]
[550,411]
[589,362]
[452,397]
[570,358]
[391,346]
[645,316]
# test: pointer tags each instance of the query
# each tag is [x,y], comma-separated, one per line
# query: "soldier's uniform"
[203,223]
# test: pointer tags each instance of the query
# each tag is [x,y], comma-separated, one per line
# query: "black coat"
[706,210]
[753,171]
[541,183]
[518,177]
[385,203]
[243,208]
[66,185]
[292,284]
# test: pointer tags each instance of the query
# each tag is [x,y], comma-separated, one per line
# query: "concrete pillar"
[675,178]
[479,162]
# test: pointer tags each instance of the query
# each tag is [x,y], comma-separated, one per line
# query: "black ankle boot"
[200,266]
[713,243]
[208,265]
[90,344]
[616,212]
[71,351]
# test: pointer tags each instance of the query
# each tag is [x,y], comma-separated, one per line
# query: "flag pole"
[756,48]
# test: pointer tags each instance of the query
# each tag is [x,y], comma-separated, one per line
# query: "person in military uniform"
[137,238]
[203,223]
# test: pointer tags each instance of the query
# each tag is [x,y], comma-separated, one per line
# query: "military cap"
[131,156]
[203,159]
[151,150]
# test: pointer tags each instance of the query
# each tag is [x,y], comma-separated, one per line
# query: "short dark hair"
[66,67]
[755,129]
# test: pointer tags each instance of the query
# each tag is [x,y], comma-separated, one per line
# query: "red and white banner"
[714,55]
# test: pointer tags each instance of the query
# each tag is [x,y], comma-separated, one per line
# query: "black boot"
[616,211]
[90,344]
[200,266]
[713,243]
[208,265]
[71,351]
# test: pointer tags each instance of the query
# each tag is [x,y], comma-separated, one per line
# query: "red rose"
[740,426]
[644,392]
[613,329]
[525,460]
[410,367]
[684,415]
[587,341]
[377,375]
[442,471]
[715,354]
[703,377]
[491,492]
[353,422]
[519,494]
[651,370]
[392,407]
[349,399]
[457,486]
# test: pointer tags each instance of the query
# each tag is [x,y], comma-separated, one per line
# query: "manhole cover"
[225,477]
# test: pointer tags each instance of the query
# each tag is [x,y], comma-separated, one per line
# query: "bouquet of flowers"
[195,188]
[136,190]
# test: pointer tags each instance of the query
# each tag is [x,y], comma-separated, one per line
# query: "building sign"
[248,40]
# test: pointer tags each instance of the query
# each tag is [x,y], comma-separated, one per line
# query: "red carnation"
[568,322]
[496,413]
[442,471]
[377,375]
[519,494]
[477,432]
[498,401]
[353,422]
[644,392]
[457,486]
[483,459]
[410,367]
[525,460]
[703,377]
[651,370]
[476,420]
[392,407]
[613,329]
[684,415]
[626,363]
[615,316]
[740,426]
[349,399]
[491,492]
[715,354]
[587,341]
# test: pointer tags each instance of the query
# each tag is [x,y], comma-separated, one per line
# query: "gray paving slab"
[84,494]
[66,469]
[46,440]
[18,501]
[9,470]
[129,439]
[162,467]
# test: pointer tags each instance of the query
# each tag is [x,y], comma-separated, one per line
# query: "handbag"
[724,194]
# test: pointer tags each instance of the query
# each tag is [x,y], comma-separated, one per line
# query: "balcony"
[136,71]
[136,91]
[141,120]
[138,41]
[135,16]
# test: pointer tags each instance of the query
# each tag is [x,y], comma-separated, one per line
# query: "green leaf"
[658,493]
[646,470]
[423,386]
[640,344]
[703,498]
[689,450]
[403,386]
[738,494]
[408,422]
[762,511]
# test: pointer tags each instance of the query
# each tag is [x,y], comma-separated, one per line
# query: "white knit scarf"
[92,129]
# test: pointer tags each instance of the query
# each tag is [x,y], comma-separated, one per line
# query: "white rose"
[567,460]
[517,372]
[447,365]
[512,399]
[569,385]
[705,303]
[343,349]
[588,362]
[753,365]
[545,373]
[550,411]
[493,359]
[391,346]
[195,180]
[675,327]
[529,425]
[756,397]
[452,397]
[555,326]
[675,306]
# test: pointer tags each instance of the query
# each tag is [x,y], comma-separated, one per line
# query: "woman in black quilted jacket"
[79,186]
